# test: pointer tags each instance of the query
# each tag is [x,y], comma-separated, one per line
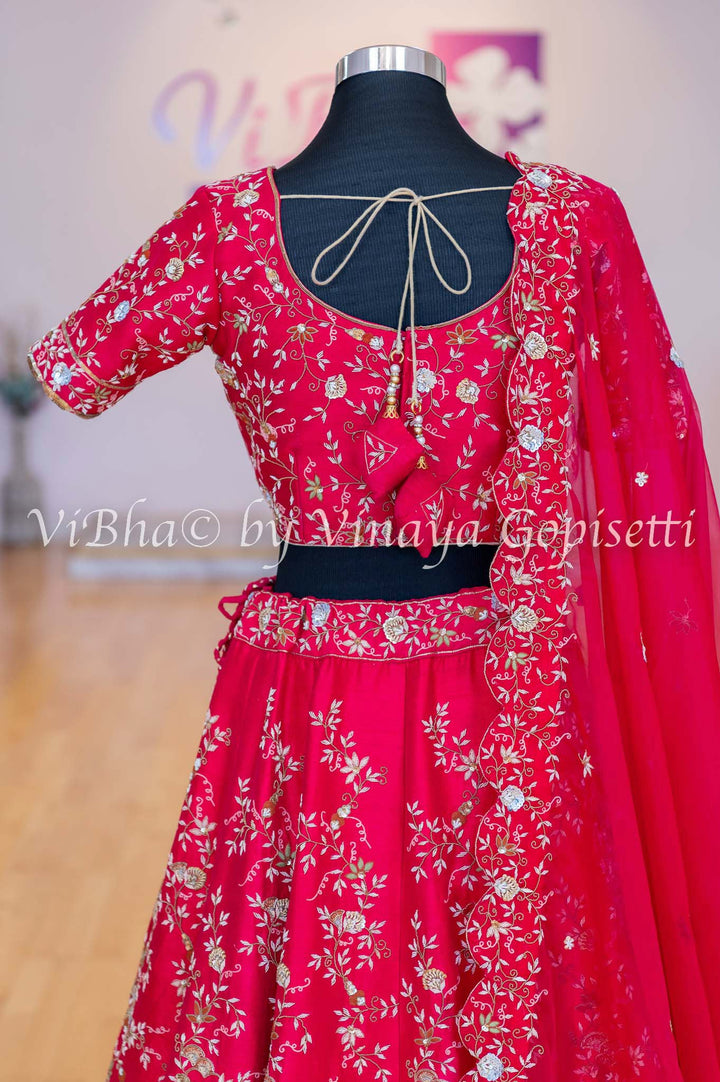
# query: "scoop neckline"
[509,156]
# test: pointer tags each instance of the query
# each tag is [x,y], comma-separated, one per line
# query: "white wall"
[631,97]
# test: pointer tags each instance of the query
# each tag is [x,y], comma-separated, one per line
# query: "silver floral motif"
[264,617]
[512,797]
[641,478]
[540,178]
[246,197]
[531,437]
[426,380]
[467,391]
[535,345]
[676,358]
[490,1067]
[120,311]
[61,375]
[506,887]
[320,613]
[175,268]
[524,618]
[335,386]
[395,628]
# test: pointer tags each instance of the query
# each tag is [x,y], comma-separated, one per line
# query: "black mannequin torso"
[388,129]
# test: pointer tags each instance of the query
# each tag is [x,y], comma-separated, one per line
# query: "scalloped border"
[524,666]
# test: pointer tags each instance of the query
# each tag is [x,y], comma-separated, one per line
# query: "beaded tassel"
[417,428]
[393,386]
[391,403]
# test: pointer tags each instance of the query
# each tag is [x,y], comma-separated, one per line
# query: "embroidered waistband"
[373,629]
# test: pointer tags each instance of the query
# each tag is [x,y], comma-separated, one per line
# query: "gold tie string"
[418,209]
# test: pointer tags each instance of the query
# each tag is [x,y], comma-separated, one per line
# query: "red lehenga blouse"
[559,422]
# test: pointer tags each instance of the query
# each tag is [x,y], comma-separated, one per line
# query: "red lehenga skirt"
[318,917]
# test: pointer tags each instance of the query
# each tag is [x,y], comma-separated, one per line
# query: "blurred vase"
[20,493]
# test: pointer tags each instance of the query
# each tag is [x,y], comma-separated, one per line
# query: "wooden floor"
[103,694]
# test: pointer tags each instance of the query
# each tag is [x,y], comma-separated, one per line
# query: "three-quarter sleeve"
[151,313]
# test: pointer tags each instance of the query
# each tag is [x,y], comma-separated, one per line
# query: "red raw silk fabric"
[312,917]
[474,836]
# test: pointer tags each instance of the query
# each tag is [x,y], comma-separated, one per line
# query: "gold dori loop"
[418,214]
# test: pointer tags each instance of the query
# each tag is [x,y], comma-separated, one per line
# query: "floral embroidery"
[369,630]
[215,273]
[531,589]
[61,375]
[302,380]
[540,177]
[531,437]
[467,391]
[524,618]
[532,753]
[142,318]
[535,345]
[426,380]
[287,339]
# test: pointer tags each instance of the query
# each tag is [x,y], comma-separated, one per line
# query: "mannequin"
[390,125]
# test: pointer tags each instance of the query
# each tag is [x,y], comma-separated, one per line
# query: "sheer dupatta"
[647,607]
[596,928]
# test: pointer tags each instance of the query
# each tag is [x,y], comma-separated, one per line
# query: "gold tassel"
[390,410]
[421,463]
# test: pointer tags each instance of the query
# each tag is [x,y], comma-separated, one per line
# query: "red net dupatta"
[596,931]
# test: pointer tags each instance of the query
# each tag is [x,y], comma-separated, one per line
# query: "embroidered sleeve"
[156,309]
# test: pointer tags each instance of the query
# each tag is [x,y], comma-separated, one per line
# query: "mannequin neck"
[392,127]
[412,108]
